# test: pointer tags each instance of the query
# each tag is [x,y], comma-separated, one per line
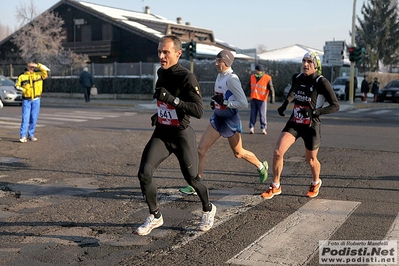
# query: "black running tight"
[162,144]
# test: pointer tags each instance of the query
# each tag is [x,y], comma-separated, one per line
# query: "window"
[107,32]
[86,33]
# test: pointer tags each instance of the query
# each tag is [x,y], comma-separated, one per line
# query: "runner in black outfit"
[178,98]
[309,91]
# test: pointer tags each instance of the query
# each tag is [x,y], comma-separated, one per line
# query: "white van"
[338,86]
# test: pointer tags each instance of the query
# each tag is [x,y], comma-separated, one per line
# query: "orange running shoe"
[271,191]
[314,190]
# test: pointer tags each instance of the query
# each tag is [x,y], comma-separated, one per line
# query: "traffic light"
[193,49]
[358,54]
[186,50]
[352,54]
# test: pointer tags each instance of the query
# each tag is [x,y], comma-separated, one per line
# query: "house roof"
[154,26]
[293,53]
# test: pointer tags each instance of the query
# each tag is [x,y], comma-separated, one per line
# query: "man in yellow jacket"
[31,84]
[261,86]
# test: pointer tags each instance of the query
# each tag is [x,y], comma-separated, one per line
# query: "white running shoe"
[150,223]
[23,140]
[207,219]
[252,130]
[32,138]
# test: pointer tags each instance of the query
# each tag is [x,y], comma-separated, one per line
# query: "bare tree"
[25,13]
[40,40]
[261,48]
[4,31]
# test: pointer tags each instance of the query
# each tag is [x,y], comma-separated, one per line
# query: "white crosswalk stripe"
[380,112]
[296,234]
[356,111]
[373,112]
[61,118]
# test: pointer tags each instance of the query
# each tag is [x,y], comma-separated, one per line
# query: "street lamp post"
[352,68]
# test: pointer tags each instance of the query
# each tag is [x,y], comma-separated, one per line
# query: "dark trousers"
[86,91]
[162,144]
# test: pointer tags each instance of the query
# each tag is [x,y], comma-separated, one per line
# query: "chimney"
[179,20]
[147,10]
[188,24]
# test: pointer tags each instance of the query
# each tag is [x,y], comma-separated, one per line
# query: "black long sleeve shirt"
[312,92]
[182,83]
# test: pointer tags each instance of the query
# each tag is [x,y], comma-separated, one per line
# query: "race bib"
[299,117]
[167,114]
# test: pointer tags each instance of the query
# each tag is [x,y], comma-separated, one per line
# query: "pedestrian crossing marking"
[393,232]
[73,116]
[10,123]
[298,234]
[356,111]
[60,118]
[380,112]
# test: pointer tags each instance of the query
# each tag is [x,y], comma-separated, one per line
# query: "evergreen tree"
[378,32]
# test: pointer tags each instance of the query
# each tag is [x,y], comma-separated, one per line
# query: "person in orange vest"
[261,86]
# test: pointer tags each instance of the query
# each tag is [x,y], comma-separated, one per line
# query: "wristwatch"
[176,102]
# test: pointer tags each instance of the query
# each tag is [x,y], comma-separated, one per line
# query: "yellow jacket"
[31,84]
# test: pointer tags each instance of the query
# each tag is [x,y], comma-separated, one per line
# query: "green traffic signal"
[358,54]
[193,49]
[186,52]
[189,50]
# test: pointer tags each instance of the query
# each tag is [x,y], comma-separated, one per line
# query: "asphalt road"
[73,197]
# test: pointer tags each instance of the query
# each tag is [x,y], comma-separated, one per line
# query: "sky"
[245,24]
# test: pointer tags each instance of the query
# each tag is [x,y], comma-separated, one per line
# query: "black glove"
[154,119]
[282,108]
[306,112]
[163,95]
[218,98]
[212,105]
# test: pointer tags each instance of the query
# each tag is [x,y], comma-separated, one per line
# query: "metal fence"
[139,69]
[139,77]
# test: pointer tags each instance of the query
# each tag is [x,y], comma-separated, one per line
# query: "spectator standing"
[365,88]
[31,84]
[86,80]
[261,85]
[375,88]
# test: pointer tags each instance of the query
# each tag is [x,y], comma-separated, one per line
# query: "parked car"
[389,92]
[8,93]
[338,86]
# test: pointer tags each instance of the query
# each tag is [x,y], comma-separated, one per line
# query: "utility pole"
[352,68]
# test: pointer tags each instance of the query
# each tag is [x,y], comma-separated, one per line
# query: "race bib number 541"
[167,114]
